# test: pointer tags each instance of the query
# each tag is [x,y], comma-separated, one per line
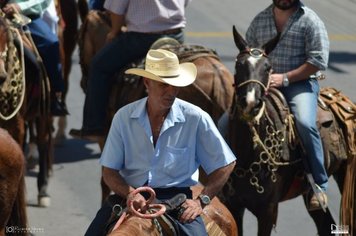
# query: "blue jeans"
[125,48]
[47,44]
[302,98]
[96,5]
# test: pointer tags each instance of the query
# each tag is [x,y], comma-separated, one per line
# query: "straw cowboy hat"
[163,66]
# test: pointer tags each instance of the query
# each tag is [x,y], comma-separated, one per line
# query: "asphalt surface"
[74,186]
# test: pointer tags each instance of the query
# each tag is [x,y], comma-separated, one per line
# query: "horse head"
[252,70]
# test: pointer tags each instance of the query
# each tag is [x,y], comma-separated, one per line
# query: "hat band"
[169,76]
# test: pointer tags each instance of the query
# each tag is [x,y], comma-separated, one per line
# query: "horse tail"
[348,209]
[18,215]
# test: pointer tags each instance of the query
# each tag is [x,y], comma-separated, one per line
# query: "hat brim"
[187,75]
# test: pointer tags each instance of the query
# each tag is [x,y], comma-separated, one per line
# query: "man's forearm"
[217,179]
[303,72]
[117,22]
[116,183]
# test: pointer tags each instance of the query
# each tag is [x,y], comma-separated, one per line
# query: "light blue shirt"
[188,139]
[150,15]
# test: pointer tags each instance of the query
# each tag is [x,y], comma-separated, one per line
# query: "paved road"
[74,187]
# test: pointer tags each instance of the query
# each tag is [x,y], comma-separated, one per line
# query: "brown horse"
[217,218]
[270,168]
[212,90]
[24,97]
[12,187]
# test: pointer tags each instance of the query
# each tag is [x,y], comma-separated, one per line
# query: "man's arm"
[301,73]
[116,183]
[215,182]
[117,22]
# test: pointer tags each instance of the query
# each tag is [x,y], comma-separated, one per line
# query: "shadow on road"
[336,58]
[73,150]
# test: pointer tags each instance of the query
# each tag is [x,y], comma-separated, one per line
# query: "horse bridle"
[256,53]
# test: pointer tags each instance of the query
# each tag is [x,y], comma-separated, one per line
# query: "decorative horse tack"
[255,138]
[12,89]
[17,103]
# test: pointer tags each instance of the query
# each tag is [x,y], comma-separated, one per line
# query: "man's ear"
[145,81]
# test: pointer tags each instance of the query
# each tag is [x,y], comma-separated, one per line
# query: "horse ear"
[240,42]
[270,45]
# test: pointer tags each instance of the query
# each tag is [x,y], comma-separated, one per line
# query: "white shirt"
[150,15]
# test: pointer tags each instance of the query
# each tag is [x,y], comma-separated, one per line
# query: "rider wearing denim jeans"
[146,22]
[302,51]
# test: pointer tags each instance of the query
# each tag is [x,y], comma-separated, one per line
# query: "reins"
[271,146]
[154,210]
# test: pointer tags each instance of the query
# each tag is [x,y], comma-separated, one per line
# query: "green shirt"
[32,7]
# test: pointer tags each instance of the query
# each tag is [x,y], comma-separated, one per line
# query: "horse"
[25,97]
[12,186]
[67,11]
[212,90]
[217,218]
[270,167]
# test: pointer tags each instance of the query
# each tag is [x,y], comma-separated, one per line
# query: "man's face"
[161,94]
[285,4]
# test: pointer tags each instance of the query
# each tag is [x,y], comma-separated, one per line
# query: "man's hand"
[110,36]
[276,80]
[138,202]
[192,210]
[11,9]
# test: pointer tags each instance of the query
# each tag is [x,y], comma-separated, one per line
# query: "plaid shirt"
[304,39]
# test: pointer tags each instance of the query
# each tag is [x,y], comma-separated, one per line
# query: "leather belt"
[169,31]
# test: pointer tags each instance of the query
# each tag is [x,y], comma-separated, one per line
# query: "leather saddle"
[329,127]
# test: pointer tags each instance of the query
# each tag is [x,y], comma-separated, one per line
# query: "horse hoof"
[31,162]
[44,201]
[59,139]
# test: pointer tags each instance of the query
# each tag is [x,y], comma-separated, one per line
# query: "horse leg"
[105,190]
[83,9]
[238,215]
[266,218]
[44,146]
[32,154]
[68,39]
[323,220]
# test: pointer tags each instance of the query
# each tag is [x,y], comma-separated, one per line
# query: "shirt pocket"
[176,162]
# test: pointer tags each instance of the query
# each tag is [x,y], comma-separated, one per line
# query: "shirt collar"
[175,114]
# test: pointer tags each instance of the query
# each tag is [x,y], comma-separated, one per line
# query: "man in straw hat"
[146,22]
[160,141]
